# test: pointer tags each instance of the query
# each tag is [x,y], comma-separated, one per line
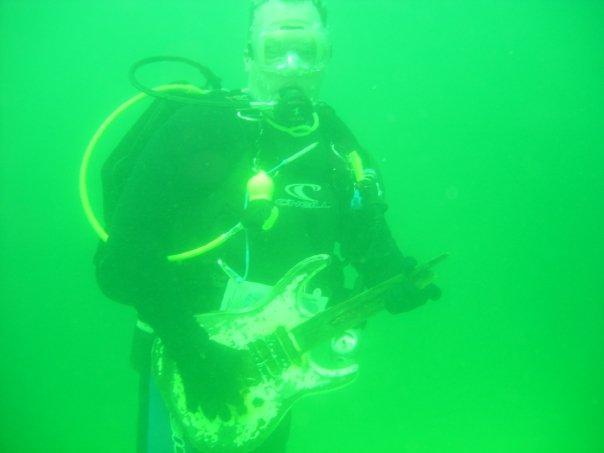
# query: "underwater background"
[488,118]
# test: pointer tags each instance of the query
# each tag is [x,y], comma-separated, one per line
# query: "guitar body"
[284,372]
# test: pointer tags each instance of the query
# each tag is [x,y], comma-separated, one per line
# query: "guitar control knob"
[346,343]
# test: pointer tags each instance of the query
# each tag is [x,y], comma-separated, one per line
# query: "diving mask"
[288,47]
[292,51]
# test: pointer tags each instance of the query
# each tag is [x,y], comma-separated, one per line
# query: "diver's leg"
[141,363]
[154,434]
[142,426]
[159,433]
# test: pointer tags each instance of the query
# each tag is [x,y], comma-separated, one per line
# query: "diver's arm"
[369,246]
[132,267]
[180,167]
[367,241]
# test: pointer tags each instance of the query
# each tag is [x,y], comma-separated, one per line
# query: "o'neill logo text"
[300,191]
[301,197]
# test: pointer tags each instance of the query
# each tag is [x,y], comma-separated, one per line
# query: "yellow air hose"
[259,187]
[296,131]
[206,247]
[89,152]
[356,164]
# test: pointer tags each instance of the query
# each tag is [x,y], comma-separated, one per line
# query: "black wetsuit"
[188,186]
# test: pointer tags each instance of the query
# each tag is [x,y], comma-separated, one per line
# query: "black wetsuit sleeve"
[366,239]
[132,266]
[369,246]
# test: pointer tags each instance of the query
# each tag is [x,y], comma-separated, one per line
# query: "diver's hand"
[214,382]
[257,215]
[407,295]
[369,188]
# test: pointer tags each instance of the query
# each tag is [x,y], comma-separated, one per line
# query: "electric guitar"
[284,337]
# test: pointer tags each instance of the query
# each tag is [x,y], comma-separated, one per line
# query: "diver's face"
[289,46]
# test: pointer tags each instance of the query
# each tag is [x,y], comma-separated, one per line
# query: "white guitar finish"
[297,350]
[288,373]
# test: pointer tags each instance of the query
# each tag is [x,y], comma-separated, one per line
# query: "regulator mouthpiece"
[293,108]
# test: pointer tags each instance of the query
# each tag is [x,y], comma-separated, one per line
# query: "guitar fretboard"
[357,309]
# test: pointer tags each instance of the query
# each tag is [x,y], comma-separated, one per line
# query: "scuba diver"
[272,166]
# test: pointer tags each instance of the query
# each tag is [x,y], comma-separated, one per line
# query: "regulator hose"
[185,93]
[213,83]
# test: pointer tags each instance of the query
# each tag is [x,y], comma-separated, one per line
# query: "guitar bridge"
[274,354]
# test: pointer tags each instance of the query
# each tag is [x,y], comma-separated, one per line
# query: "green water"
[488,117]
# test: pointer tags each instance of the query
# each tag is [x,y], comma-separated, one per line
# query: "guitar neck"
[334,321]
[354,311]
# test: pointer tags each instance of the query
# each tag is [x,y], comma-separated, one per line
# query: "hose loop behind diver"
[239,227]
[89,152]
[186,93]
[213,82]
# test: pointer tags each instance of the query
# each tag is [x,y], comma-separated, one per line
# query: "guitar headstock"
[423,275]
